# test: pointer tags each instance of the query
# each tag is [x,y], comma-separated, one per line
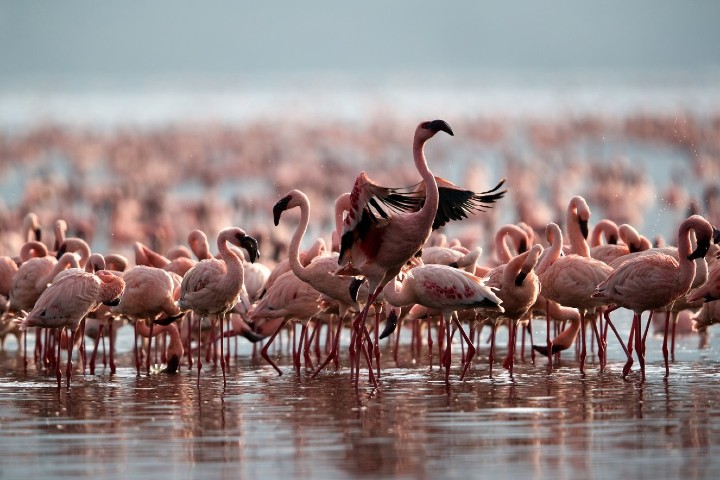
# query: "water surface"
[537,424]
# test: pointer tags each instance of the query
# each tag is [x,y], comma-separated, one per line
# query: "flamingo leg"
[447,358]
[530,333]
[628,364]
[491,356]
[600,345]
[112,348]
[665,344]
[647,327]
[377,340]
[149,349]
[638,344]
[68,371]
[135,350]
[57,363]
[264,351]
[430,343]
[222,348]
[199,350]
[583,347]
[471,347]
[333,351]
[672,342]
[38,346]
[95,349]
[547,333]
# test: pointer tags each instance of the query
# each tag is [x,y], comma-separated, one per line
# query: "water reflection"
[537,424]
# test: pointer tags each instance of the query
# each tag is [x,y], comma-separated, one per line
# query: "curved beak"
[584,228]
[440,125]
[390,324]
[280,207]
[251,245]
[701,250]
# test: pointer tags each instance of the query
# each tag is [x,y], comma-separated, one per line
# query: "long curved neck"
[554,236]
[80,246]
[501,249]
[430,207]
[32,249]
[294,250]
[578,243]
[234,266]
[687,267]
[399,298]
[67,260]
[605,228]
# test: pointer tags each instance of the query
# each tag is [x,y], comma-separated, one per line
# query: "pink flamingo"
[174,351]
[710,290]
[517,235]
[377,249]
[571,280]
[447,289]
[517,285]
[632,242]
[319,272]
[288,298]
[67,301]
[212,287]
[654,279]
[149,293]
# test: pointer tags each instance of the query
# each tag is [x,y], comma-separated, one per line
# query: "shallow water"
[534,425]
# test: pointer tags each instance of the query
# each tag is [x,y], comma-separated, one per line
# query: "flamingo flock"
[388,262]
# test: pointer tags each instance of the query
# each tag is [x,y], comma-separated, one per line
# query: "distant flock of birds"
[383,259]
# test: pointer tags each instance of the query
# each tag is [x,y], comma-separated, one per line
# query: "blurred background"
[144,120]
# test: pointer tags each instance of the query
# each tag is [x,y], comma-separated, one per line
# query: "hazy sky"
[129,38]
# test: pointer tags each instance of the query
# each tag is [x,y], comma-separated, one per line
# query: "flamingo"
[212,287]
[377,249]
[67,301]
[174,351]
[632,242]
[710,290]
[517,286]
[446,289]
[149,293]
[319,272]
[655,279]
[571,280]
[288,298]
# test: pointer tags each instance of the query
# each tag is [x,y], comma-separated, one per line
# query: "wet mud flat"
[535,424]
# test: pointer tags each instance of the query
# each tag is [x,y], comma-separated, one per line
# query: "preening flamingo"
[517,285]
[68,300]
[654,279]
[212,286]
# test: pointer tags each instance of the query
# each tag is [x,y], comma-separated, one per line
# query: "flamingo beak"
[355,285]
[280,207]
[523,247]
[716,235]
[520,278]
[61,251]
[173,365]
[584,228]
[251,245]
[701,250]
[390,324]
[439,125]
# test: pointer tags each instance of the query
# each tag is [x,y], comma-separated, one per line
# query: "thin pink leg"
[68,372]
[264,350]
[665,344]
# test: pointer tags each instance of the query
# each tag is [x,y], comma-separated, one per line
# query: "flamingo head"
[716,235]
[703,245]
[250,244]
[281,206]
[427,130]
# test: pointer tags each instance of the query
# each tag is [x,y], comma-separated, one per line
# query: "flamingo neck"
[432,197]
[294,250]
[501,248]
[687,267]
[232,261]
[398,298]
[553,253]
[578,243]
[32,249]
